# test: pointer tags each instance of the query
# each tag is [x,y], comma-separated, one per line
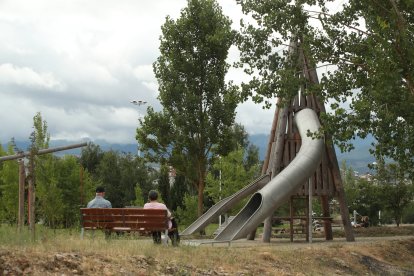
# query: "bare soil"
[368,255]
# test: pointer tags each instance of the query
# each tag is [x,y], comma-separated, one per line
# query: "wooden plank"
[124,211]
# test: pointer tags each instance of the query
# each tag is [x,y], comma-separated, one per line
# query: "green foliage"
[164,185]
[178,191]
[408,216]
[198,106]
[9,187]
[68,177]
[139,197]
[50,200]
[397,191]
[110,177]
[91,155]
[228,175]
[187,214]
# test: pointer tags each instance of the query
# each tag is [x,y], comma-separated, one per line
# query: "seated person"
[99,201]
[172,224]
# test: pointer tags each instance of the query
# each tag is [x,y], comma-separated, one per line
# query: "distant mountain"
[358,159]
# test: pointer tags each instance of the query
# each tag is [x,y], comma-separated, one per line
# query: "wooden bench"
[125,220]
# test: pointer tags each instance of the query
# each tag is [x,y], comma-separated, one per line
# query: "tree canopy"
[198,106]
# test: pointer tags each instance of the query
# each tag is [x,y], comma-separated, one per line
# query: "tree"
[349,181]
[91,155]
[397,191]
[178,191]
[68,179]
[9,187]
[109,174]
[47,193]
[232,175]
[370,81]
[133,173]
[139,197]
[198,106]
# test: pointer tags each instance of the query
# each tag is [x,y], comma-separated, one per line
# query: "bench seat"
[124,220]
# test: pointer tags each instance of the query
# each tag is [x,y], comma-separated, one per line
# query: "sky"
[80,63]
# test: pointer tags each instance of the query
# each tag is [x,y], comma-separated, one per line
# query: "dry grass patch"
[64,253]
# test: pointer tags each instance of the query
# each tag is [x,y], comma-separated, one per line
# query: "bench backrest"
[134,219]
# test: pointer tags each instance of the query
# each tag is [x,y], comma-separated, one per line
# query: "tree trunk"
[200,205]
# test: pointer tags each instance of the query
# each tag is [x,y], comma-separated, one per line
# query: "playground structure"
[296,167]
[31,179]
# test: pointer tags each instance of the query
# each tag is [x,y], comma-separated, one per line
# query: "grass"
[126,251]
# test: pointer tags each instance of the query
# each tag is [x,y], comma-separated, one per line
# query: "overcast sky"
[80,63]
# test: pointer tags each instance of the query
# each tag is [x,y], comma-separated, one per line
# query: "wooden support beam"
[22,179]
[41,152]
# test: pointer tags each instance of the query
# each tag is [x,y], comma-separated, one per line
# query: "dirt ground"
[392,255]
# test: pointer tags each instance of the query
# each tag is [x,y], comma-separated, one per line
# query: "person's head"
[100,191]
[152,195]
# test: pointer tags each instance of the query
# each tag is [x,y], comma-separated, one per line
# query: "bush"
[188,213]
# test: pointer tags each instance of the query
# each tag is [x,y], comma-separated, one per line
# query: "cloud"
[24,76]
[79,63]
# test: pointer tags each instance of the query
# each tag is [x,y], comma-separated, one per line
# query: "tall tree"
[109,174]
[397,190]
[370,87]
[68,177]
[91,155]
[232,175]
[47,194]
[198,106]
[9,187]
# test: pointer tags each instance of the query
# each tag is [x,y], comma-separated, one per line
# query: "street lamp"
[138,103]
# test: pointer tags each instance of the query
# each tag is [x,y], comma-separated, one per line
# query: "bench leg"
[82,232]
[165,241]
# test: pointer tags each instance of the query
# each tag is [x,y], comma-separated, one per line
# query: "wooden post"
[275,169]
[32,220]
[310,224]
[312,76]
[291,218]
[266,163]
[81,184]
[22,178]
[326,222]
[32,182]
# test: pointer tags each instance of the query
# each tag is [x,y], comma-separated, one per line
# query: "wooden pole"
[32,182]
[326,222]
[32,198]
[22,178]
[81,184]
[269,156]
[275,169]
[310,229]
[41,152]
[332,159]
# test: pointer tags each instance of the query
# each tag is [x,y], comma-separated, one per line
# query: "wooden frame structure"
[284,144]
[31,179]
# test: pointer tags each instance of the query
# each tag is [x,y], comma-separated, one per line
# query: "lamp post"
[138,103]
[219,157]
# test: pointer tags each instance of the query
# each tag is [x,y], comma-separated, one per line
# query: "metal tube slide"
[264,202]
[225,204]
